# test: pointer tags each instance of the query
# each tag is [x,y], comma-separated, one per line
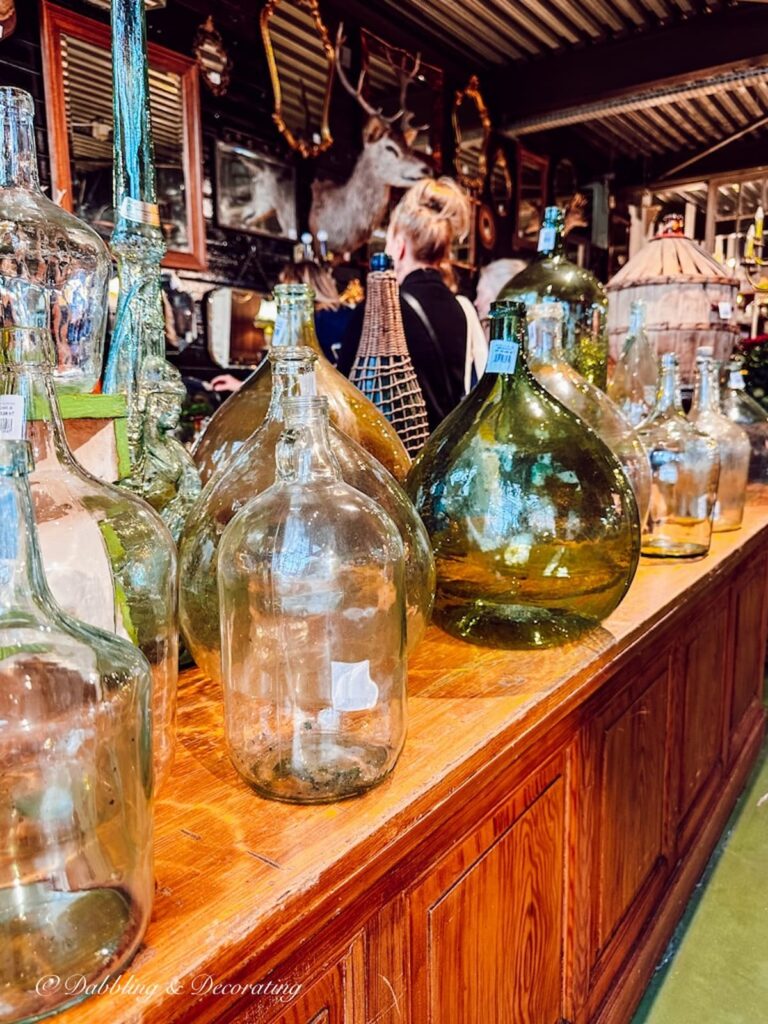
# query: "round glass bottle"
[635,381]
[551,274]
[548,366]
[54,268]
[351,411]
[76,881]
[532,520]
[732,443]
[313,627]
[108,557]
[740,407]
[252,470]
[685,466]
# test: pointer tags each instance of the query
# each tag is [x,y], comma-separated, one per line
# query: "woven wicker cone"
[383,370]
[682,287]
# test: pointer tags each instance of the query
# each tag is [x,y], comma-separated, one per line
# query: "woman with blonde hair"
[444,336]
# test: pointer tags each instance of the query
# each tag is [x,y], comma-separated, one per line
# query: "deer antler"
[405,76]
[357,91]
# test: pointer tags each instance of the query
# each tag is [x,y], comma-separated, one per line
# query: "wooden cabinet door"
[701,693]
[487,923]
[749,631]
[621,835]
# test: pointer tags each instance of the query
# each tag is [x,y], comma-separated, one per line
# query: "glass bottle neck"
[669,400]
[551,235]
[18,158]
[290,379]
[508,346]
[736,380]
[295,324]
[545,341]
[706,396]
[22,581]
[304,452]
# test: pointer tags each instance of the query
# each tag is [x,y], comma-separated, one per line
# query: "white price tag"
[141,213]
[11,418]
[725,309]
[502,356]
[547,239]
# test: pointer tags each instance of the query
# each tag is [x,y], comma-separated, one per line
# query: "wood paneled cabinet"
[549,885]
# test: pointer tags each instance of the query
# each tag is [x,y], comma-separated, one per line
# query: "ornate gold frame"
[472,92]
[303,147]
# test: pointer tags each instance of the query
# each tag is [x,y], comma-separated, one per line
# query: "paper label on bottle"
[12,418]
[502,356]
[352,688]
[141,213]
[725,309]
[547,239]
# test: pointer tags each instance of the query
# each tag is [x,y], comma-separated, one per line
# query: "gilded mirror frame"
[301,146]
[471,94]
[57,23]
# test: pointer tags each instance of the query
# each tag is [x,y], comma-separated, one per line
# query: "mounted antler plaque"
[301,63]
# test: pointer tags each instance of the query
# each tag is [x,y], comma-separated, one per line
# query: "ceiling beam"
[693,49]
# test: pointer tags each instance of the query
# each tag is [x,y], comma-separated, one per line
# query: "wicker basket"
[690,300]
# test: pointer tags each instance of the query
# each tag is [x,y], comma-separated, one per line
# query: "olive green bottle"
[533,523]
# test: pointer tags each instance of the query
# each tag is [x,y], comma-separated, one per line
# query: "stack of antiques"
[307,572]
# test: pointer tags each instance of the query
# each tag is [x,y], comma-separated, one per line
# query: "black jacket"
[439,363]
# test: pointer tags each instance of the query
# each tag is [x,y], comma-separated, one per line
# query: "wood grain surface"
[244,885]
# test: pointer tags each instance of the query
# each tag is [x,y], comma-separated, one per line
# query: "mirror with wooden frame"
[500,183]
[532,173]
[78,95]
[471,130]
[301,62]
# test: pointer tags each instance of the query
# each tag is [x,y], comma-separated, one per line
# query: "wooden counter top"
[241,879]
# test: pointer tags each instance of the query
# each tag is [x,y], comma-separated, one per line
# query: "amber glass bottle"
[350,409]
[533,522]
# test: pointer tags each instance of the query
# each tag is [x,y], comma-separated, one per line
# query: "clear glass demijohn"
[76,881]
[311,584]
[250,471]
[532,519]
[54,268]
[351,411]
[548,365]
[108,557]
[740,407]
[685,467]
[635,380]
[732,443]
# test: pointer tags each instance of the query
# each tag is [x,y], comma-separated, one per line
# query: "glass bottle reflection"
[76,881]
[313,626]
[685,466]
[54,268]
[740,407]
[252,470]
[533,522]
[108,558]
[635,379]
[351,411]
[548,366]
[551,274]
[732,442]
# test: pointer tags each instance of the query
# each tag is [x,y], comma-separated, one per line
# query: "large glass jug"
[732,442]
[550,274]
[635,381]
[532,520]
[250,471]
[548,365]
[740,407]
[108,557]
[76,880]
[685,467]
[54,268]
[311,583]
[351,411]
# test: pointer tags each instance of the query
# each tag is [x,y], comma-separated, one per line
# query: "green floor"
[715,970]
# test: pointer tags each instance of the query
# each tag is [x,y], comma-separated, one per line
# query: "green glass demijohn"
[550,274]
[532,520]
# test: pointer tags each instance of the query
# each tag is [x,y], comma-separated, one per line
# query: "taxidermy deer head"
[350,212]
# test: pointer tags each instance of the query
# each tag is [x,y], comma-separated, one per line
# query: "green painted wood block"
[97,431]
